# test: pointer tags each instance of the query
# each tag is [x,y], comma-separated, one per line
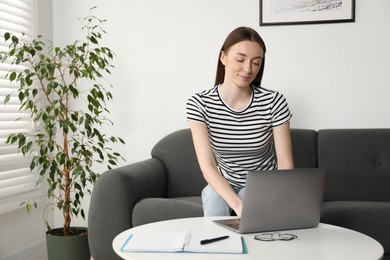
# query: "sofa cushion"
[157,209]
[368,217]
[358,162]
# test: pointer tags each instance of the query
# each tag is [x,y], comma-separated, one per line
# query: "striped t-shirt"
[242,141]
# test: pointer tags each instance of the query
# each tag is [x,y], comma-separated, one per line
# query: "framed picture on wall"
[290,12]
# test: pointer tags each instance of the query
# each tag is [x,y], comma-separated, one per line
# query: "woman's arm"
[209,169]
[283,147]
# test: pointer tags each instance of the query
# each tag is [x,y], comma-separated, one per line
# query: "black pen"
[211,240]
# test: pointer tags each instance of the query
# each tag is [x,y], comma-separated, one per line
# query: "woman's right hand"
[238,210]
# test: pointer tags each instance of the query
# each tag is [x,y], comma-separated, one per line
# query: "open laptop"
[280,200]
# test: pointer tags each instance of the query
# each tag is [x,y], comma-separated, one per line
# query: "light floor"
[39,257]
[42,257]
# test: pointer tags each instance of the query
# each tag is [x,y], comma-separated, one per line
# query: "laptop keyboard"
[234,225]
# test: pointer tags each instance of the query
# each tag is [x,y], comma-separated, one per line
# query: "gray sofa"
[168,185]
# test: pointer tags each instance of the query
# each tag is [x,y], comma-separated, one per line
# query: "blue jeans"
[215,205]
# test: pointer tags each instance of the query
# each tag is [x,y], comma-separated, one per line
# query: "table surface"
[323,242]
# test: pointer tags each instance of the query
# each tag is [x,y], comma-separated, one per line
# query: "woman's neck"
[237,98]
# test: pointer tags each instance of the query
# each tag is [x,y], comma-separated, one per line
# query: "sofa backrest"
[177,152]
[184,177]
[304,146]
[358,162]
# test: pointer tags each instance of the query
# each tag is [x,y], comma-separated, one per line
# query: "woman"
[238,126]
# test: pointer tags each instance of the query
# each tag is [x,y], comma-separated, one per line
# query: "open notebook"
[183,242]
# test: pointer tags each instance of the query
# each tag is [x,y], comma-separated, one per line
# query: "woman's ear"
[222,58]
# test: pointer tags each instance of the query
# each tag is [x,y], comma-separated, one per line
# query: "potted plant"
[62,90]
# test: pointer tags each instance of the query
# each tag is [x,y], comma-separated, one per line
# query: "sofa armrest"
[114,196]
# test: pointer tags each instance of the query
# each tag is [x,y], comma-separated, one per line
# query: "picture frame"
[293,12]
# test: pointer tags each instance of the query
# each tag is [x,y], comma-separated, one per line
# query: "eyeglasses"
[274,236]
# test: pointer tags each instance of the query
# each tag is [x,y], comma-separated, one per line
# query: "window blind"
[17,182]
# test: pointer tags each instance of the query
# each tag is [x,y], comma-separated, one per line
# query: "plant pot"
[74,247]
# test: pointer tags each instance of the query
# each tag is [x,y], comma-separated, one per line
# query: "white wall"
[333,75]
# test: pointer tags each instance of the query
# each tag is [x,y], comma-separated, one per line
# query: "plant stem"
[67,198]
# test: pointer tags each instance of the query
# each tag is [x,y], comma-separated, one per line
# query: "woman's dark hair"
[238,35]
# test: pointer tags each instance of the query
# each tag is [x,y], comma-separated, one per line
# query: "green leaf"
[12,77]
[112,162]
[21,96]
[51,188]
[66,129]
[77,186]
[73,127]
[32,165]
[15,39]
[22,140]
[7,35]
[93,40]
[75,116]
[29,81]
[7,98]
[74,91]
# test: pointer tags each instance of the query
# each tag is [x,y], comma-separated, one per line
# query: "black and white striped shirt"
[241,140]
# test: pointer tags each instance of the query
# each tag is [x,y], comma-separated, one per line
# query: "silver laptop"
[280,200]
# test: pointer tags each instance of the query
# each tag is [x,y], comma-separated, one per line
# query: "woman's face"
[242,63]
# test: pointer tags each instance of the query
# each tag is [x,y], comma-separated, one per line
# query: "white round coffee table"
[326,242]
